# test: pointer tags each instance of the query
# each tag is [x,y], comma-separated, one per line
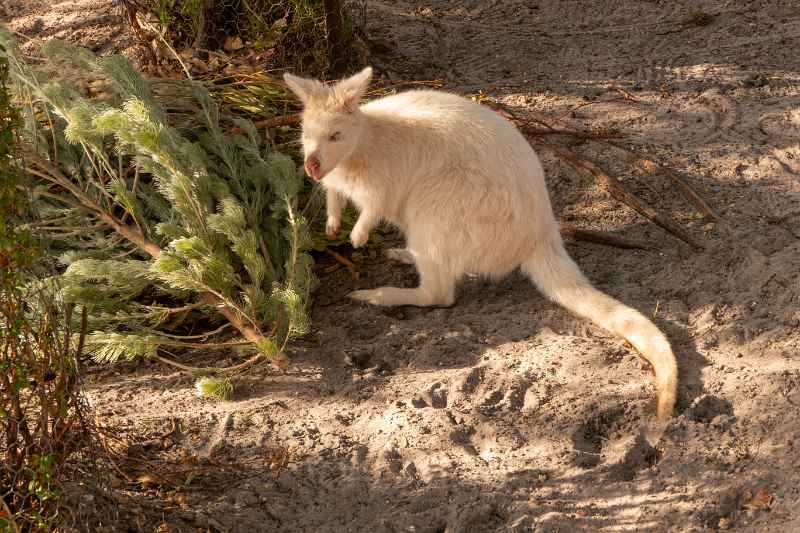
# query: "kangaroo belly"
[485,230]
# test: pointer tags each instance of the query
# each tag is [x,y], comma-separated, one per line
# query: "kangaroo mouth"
[314,173]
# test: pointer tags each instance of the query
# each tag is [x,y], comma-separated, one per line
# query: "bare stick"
[626,95]
[10,516]
[537,132]
[274,122]
[600,237]
[619,192]
[610,184]
[346,262]
[709,215]
[691,195]
[284,120]
[209,369]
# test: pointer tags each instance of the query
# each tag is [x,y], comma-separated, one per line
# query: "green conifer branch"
[223,214]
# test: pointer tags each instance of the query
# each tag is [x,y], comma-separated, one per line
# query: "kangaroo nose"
[312,167]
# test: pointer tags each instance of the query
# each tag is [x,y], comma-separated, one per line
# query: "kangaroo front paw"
[358,237]
[333,226]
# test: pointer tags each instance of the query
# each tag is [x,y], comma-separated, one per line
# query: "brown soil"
[504,412]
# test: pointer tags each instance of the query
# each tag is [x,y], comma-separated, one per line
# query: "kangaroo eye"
[335,136]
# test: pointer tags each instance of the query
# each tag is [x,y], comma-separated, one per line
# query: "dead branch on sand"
[607,182]
[274,122]
[600,237]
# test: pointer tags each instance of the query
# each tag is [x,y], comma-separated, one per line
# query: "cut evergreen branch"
[168,228]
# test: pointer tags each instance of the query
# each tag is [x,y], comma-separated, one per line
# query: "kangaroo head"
[332,120]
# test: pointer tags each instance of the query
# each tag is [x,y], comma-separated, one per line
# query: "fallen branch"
[130,9]
[691,195]
[610,184]
[575,108]
[647,164]
[53,174]
[618,191]
[709,215]
[10,518]
[196,370]
[352,267]
[626,95]
[538,132]
[274,122]
[600,237]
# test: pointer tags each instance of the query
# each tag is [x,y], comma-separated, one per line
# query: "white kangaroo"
[468,192]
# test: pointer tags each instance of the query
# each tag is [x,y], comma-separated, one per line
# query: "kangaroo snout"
[312,166]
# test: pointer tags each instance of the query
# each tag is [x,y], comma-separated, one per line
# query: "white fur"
[468,192]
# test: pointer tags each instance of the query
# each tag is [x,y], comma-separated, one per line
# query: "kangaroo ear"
[350,90]
[305,88]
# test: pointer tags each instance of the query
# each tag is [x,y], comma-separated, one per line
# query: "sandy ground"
[506,413]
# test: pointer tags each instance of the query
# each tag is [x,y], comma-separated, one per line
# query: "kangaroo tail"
[560,279]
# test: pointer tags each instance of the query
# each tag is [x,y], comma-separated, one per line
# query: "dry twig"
[538,132]
[10,519]
[627,95]
[352,267]
[691,195]
[618,191]
[274,122]
[600,237]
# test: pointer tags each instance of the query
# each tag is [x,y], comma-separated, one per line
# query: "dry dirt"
[504,412]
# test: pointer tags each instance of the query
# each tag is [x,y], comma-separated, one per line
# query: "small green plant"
[219,388]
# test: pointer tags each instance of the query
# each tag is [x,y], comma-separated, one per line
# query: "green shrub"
[42,412]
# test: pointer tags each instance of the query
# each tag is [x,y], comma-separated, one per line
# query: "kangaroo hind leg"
[401,255]
[437,288]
